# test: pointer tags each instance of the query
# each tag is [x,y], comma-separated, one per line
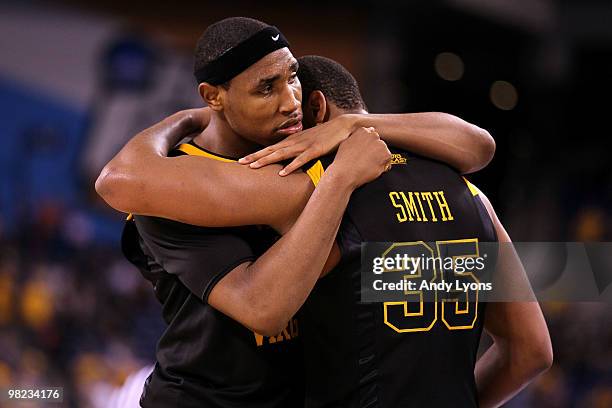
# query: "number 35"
[456,312]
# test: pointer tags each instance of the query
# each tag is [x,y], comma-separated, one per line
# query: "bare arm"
[140,179]
[522,348]
[436,135]
[264,295]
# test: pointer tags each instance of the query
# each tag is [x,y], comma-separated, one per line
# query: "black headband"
[235,60]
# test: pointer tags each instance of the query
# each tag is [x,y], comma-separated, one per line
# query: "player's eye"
[266,90]
[292,78]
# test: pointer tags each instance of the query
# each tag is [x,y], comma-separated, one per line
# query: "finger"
[290,151]
[274,157]
[297,163]
[250,158]
[262,153]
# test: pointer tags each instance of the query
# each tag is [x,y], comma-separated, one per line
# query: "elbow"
[483,151]
[542,358]
[268,324]
[488,145]
[104,183]
[268,329]
[109,184]
[542,351]
[535,357]
[266,318]
[265,315]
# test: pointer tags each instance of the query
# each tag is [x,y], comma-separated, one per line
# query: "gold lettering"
[289,332]
[284,335]
[409,211]
[418,196]
[443,205]
[402,217]
[410,206]
[428,197]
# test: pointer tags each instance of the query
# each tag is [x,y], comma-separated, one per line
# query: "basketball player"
[494,384]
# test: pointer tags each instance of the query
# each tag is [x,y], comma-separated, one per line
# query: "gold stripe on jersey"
[191,150]
[473,189]
[315,172]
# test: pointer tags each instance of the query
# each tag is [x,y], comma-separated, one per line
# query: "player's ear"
[318,106]
[212,95]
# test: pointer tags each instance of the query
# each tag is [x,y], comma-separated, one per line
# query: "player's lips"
[291,126]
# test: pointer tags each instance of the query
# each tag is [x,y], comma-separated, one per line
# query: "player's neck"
[218,137]
[333,111]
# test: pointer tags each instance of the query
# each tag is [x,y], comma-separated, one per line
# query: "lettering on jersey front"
[421,206]
[397,158]
[288,333]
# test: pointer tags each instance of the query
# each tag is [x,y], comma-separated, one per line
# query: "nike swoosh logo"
[275,38]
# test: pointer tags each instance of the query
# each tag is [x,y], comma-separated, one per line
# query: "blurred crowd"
[73,314]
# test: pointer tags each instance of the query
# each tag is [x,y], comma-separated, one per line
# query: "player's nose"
[289,100]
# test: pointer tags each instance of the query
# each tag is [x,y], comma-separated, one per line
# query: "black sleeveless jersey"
[398,354]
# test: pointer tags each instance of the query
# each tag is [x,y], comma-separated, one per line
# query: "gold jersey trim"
[191,150]
[315,172]
[473,189]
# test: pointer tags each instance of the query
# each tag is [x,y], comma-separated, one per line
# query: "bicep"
[205,192]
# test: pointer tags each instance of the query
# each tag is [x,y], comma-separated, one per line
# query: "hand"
[303,146]
[362,157]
